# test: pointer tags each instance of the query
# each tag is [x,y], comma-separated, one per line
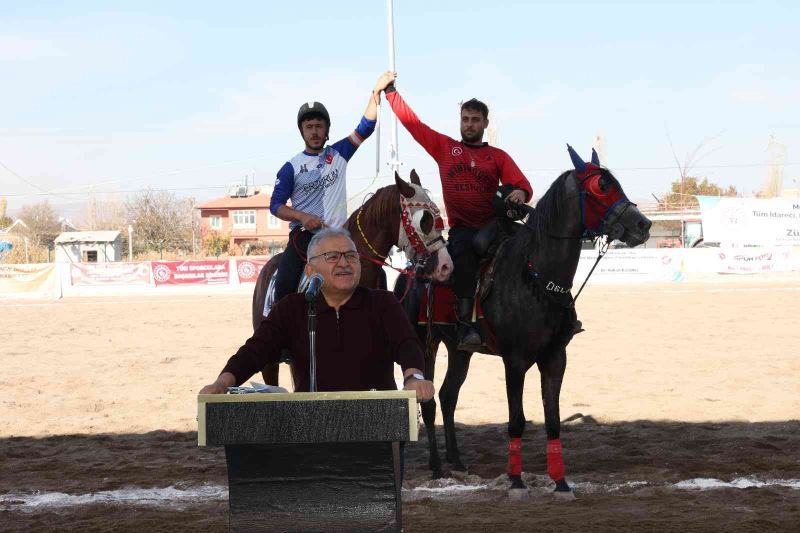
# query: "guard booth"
[88,247]
[314,461]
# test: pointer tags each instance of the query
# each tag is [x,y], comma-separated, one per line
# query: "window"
[273,222]
[244,218]
[90,256]
[216,222]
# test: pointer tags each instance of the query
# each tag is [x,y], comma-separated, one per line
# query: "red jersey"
[470,174]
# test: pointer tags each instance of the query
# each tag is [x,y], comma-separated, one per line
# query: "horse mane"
[549,207]
[378,209]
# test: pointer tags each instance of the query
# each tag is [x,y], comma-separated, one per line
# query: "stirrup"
[471,341]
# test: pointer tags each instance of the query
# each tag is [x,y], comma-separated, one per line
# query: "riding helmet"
[313,110]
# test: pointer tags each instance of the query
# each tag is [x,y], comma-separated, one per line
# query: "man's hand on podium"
[414,380]
[220,386]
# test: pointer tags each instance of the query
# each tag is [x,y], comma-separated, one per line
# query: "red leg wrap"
[515,457]
[555,460]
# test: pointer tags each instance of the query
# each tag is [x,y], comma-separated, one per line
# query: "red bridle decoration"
[600,203]
[420,246]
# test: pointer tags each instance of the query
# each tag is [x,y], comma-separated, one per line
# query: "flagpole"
[394,153]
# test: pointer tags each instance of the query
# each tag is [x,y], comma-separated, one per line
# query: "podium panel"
[311,461]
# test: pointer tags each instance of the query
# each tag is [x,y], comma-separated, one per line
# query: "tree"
[5,221]
[160,221]
[216,243]
[682,194]
[42,222]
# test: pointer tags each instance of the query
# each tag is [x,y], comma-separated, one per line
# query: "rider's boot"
[469,340]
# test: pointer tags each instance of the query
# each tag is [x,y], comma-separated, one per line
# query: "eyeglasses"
[333,257]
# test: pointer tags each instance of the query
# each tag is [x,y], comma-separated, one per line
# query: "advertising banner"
[754,260]
[109,273]
[20,281]
[212,272]
[754,221]
[637,264]
[247,270]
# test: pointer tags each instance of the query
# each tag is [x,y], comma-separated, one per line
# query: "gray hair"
[325,233]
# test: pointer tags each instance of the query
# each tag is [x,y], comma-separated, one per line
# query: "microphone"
[314,284]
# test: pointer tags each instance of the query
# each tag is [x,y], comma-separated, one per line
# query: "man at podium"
[360,334]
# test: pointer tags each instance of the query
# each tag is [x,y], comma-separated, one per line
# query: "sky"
[110,98]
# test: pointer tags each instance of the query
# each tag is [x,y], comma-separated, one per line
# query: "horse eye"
[426,224]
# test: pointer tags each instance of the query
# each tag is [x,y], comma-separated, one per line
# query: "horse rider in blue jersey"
[314,181]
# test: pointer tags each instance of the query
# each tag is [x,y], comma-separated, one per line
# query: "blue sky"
[192,96]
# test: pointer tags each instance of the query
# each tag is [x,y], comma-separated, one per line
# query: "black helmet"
[313,110]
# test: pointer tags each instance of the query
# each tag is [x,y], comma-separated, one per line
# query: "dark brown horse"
[401,215]
[528,313]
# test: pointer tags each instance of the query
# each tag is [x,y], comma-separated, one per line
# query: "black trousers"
[465,262]
[290,269]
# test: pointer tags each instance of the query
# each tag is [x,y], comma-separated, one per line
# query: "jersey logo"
[329,159]
[303,169]
[457,151]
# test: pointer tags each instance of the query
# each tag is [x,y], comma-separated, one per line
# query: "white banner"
[754,221]
[754,260]
[632,264]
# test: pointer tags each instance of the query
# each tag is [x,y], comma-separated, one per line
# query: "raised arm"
[428,138]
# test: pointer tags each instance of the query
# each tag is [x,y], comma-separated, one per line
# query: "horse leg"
[429,412]
[457,368]
[552,373]
[515,384]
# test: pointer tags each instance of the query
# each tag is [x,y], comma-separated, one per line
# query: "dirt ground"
[671,385]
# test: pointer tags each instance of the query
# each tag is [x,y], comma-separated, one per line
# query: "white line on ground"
[177,498]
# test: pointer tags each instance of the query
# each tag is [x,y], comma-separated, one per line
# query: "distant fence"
[54,280]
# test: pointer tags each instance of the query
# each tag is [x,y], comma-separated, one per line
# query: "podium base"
[343,486]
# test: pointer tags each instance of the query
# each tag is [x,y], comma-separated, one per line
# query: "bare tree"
[692,158]
[160,221]
[42,222]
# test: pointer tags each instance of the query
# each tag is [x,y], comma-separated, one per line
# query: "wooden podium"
[314,461]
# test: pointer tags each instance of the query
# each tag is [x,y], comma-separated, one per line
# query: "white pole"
[394,153]
[130,243]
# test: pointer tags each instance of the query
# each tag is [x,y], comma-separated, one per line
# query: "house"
[88,247]
[243,215]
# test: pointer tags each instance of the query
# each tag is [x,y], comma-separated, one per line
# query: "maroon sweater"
[356,347]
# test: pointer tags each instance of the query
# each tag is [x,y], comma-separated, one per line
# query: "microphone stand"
[312,345]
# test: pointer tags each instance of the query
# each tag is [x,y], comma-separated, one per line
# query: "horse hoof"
[519,495]
[564,495]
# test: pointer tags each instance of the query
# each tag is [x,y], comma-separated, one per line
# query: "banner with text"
[755,221]
[37,280]
[248,269]
[212,272]
[637,264]
[110,273]
[754,260]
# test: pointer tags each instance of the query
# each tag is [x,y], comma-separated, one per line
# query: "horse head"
[421,226]
[605,209]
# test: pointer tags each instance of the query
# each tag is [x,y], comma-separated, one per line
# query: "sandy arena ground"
[673,384]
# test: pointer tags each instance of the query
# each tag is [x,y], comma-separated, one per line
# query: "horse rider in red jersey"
[470,171]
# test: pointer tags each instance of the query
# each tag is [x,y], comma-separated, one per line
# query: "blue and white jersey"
[315,183]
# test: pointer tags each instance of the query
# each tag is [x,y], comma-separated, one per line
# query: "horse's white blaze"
[445,267]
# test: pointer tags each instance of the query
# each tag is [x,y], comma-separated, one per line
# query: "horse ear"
[415,178]
[577,162]
[403,186]
[595,158]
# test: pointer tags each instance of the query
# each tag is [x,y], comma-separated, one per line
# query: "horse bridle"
[421,248]
[413,239]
